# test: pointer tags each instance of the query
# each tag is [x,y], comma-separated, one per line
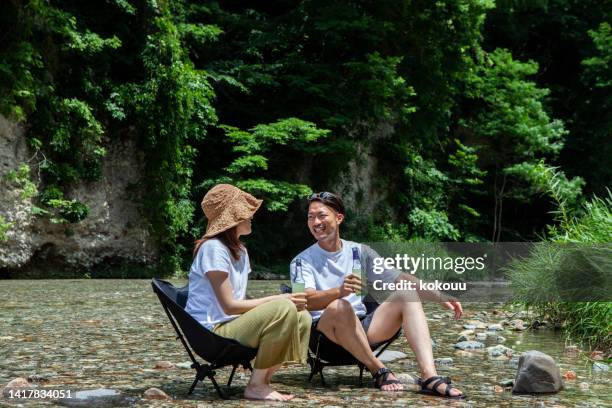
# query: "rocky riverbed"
[112,339]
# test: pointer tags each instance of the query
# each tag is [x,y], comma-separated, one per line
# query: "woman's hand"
[298,299]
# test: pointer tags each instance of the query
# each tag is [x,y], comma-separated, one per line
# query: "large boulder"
[537,373]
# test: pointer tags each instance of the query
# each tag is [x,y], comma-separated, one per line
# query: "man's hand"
[455,306]
[350,285]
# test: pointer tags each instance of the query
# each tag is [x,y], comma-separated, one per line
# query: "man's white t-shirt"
[202,302]
[324,270]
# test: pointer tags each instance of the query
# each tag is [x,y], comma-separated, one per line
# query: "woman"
[277,325]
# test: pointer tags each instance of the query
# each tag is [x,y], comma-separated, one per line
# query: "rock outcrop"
[114,232]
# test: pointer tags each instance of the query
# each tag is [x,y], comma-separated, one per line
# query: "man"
[336,309]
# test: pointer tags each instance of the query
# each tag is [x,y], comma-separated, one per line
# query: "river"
[85,334]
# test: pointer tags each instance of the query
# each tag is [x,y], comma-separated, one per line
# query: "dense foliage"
[430,117]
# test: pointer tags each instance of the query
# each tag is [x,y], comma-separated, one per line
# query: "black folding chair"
[217,351]
[322,352]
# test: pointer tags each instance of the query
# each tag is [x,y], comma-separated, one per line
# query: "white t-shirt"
[324,270]
[202,302]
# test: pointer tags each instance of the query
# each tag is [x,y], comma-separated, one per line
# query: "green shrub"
[556,278]
[4,227]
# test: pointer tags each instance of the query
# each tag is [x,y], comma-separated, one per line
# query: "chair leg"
[361,367]
[322,378]
[231,377]
[313,371]
[221,393]
[195,382]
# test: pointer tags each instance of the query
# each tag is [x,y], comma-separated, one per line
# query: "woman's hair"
[229,238]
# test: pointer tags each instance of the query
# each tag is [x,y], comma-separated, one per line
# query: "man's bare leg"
[388,318]
[340,324]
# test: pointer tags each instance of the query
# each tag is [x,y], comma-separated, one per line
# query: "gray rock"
[405,379]
[517,324]
[499,351]
[507,382]
[98,398]
[388,356]
[495,327]
[597,366]
[464,337]
[469,345]
[469,326]
[444,361]
[537,373]
[17,384]
[481,336]
[156,394]
[184,365]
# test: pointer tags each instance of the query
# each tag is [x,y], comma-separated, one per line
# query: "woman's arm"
[223,290]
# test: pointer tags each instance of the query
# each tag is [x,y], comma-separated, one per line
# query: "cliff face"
[114,232]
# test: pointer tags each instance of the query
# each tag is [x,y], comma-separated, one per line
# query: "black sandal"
[384,373]
[437,381]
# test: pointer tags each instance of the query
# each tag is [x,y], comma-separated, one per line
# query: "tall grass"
[544,282]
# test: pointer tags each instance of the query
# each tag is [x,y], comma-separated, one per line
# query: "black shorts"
[366,320]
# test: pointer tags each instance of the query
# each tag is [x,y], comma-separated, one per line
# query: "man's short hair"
[329,199]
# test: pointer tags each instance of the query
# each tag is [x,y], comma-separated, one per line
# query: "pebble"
[444,361]
[495,327]
[572,350]
[156,394]
[163,365]
[597,355]
[18,382]
[388,356]
[481,336]
[406,379]
[184,365]
[569,375]
[583,386]
[507,382]
[468,345]
[500,351]
[514,362]
[517,324]
[497,388]
[464,337]
[97,398]
[469,326]
[600,367]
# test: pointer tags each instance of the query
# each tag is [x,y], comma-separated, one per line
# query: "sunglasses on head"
[324,195]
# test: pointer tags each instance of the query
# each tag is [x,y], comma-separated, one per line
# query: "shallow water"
[85,334]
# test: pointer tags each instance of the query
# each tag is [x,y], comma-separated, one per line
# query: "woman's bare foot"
[264,392]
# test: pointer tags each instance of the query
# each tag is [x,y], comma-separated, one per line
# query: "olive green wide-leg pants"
[276,327]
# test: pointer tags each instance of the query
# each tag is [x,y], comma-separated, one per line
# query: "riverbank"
[86,334]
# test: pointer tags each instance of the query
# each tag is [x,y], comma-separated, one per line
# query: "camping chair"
[217,351]
[322,352]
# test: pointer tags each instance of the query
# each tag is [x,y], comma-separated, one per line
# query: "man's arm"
[320,299]
[448,302]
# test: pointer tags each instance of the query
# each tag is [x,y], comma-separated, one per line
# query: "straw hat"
[226,206]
